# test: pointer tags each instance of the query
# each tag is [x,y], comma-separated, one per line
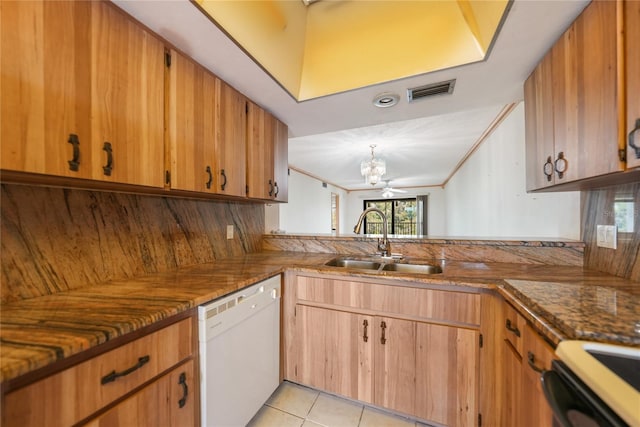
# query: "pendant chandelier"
[372,169]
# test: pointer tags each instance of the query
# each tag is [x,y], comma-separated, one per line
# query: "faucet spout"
[384,246]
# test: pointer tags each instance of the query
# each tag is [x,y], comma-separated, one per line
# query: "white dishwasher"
[239,338]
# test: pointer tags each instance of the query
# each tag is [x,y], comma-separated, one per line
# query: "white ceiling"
[422,142]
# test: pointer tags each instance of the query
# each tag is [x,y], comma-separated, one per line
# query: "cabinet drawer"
[513,327]
[404,301]
[75,393]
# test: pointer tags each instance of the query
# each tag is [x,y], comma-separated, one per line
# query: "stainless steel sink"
[357,264]
[413,268]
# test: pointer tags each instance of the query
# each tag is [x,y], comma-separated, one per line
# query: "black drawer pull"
[185,390]
[208,183]
[115,375]
[547,169]
[75,162]
[513,329]
[277,190]
[224,183]
[365,335]
[109,166]
[383,326]
[532,362]
[560,165]
[270,188]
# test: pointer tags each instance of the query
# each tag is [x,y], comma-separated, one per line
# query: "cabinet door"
[395,364]
[632,59]
[192,95]
[127,104]
[539,138]
[511,372]
[537,356]
[281,161]
[447,374]
[230,140]
[44,43]
[260,145]
[168,401]
[334,351]
[585,95]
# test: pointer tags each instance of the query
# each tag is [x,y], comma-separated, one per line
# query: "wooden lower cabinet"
[129,381]
[524,356]
[335,352]
[168,401]
[419,368]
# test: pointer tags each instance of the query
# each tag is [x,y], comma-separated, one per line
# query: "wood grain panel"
[77,392]
[281,161]
[332,353]
[444,306]
[260,146]
[192,94]
[535,410]
[395,364]
[157,404]
[632,74]
[38,117]
[230,140]
[448,377]
[127,105]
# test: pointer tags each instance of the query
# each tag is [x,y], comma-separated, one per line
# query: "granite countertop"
[564,302]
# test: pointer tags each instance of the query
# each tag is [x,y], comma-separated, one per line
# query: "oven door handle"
[561,398]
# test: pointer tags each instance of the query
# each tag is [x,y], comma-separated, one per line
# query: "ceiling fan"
[388,192]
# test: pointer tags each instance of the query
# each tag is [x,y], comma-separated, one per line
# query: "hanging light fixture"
[373,169]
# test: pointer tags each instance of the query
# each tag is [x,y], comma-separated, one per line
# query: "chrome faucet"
[384,246]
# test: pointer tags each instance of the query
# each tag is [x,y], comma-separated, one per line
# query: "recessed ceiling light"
[385,100]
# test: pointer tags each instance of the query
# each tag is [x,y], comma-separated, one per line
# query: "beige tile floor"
[292,405]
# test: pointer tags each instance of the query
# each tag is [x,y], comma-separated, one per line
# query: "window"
[401,216]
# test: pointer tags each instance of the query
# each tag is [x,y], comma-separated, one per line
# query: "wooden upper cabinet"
[538,98]
[191,127]
[281,162]
[632,60]
[83,93]
[573,102]
[46,87]
[230,140]
[267,155]
[127,99]
[260,145]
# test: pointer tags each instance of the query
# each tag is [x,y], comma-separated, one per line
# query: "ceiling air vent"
[433,89]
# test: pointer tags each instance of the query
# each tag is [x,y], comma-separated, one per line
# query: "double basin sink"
[384,265]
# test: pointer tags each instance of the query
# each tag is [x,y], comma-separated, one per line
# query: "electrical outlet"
[229,232]
[607,236]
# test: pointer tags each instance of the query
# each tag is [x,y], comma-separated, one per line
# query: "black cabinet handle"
[383,326]
[75,162]
[511,328]
[632,143]
[109,166]
[531,358]
[208,183]
[270,188]
[224,176]
[365,335]
[115,375]
[277,190]
[185,390]
[560,162]
[547,169]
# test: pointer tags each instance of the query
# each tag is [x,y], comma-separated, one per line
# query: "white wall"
[309,207]
[487,197]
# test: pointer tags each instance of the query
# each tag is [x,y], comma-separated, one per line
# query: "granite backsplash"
[55,239]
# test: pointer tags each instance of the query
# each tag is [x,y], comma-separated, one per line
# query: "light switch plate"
[229,232]
[607,236]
